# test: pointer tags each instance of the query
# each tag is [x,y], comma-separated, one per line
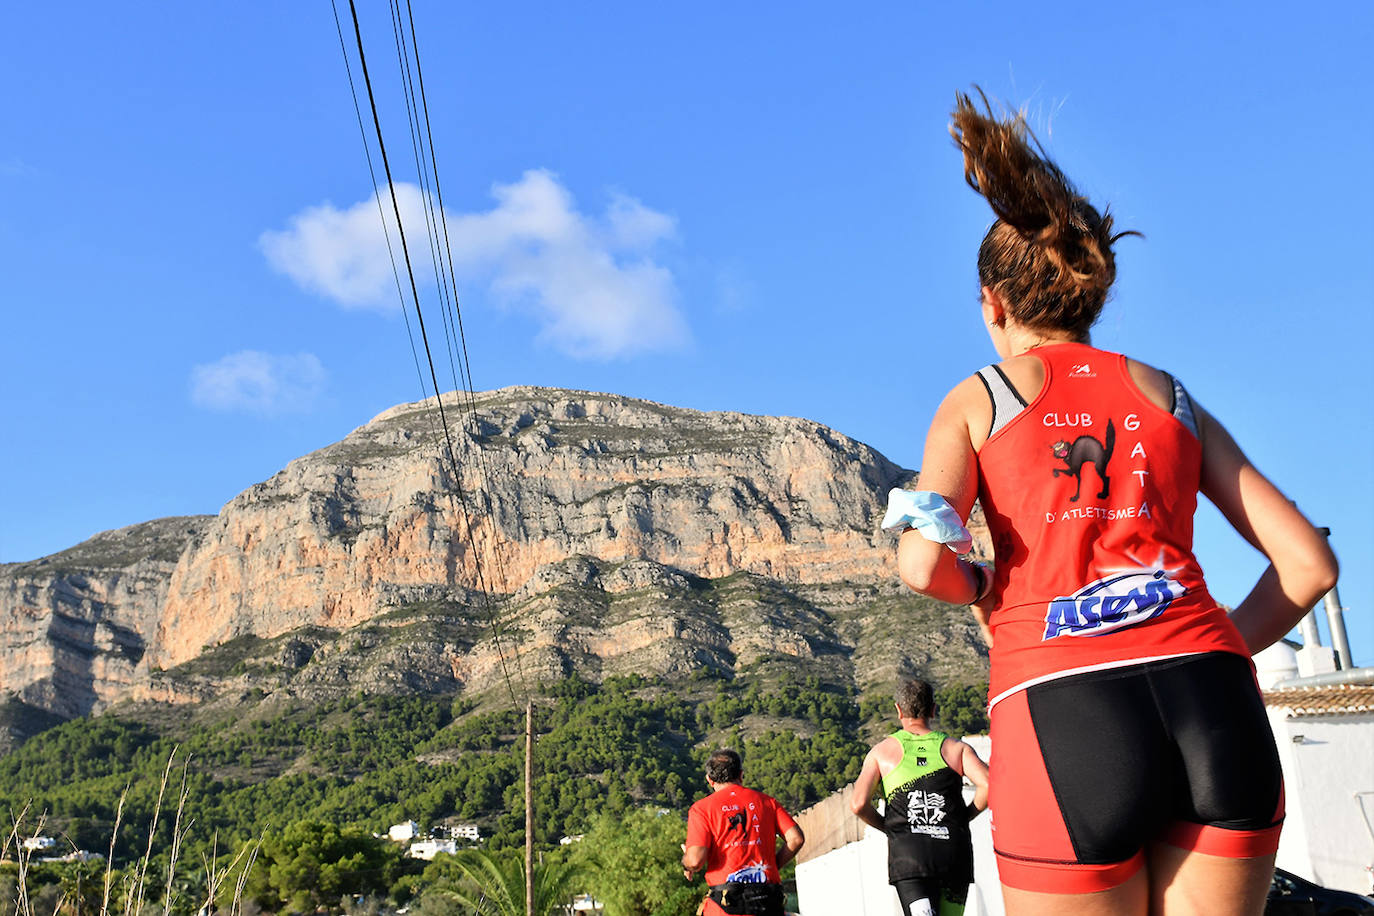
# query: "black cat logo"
[1086,450]
[737,819]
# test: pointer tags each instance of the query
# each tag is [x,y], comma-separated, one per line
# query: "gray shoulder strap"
[1006,400]
[1182,407]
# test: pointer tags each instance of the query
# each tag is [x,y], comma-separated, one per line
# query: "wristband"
[983,585]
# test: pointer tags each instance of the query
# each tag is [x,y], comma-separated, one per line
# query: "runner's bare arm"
[792,842]
[693,860]
[861,803]
[982,613]
[950,468]
[964,760]
[1301,565]
[976,771]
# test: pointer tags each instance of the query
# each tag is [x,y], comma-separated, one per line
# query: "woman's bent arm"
[1302,567]
[949,467]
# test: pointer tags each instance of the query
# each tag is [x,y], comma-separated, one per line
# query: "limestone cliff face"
[74,626]
[554,500]
[593,619]
[544,475]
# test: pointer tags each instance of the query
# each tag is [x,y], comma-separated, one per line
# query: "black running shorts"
[1087,770]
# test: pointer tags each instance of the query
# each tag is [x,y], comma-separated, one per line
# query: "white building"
[37,843]
[428,849]
[1324,727]
[406,830]
[76,855]
[466,832]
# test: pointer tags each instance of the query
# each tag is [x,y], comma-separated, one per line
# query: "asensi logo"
[1111,604]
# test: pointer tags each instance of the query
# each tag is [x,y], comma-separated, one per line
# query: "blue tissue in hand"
[930,514]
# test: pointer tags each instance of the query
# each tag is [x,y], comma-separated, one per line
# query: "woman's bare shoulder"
[1155,384]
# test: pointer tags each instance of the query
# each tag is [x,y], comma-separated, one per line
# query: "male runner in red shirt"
[730,834]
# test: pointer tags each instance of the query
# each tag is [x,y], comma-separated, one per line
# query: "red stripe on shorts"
[1025,814]
[1219,841]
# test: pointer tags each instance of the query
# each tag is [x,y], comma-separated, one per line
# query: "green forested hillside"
[357,765]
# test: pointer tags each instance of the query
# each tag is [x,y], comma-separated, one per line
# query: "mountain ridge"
[562,497]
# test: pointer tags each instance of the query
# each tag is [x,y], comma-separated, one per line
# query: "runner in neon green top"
[929,850]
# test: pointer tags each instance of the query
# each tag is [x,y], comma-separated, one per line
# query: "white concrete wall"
[851,880]
[1327,761]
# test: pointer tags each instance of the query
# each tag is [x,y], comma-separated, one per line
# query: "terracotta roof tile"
[1335,699]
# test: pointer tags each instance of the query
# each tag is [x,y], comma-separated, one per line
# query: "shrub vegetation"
[313,784]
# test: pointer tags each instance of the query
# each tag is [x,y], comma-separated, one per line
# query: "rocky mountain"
[74,626]
[573,532]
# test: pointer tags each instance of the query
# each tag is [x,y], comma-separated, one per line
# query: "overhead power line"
[457,489]
[446,258]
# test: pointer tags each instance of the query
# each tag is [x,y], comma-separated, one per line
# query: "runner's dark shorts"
[941,898]
[1087,770]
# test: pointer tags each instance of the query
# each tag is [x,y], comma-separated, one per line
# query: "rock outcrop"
[74,626]
[556,506]
[592,619]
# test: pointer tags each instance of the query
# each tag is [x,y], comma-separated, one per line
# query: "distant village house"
[406,830]
[442,839]
[428,849]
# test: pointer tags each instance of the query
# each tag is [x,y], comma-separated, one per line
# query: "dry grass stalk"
[178,835]
[135,883]
[216,877]
[23,856]
[109,860]
[138,881]
[236,905]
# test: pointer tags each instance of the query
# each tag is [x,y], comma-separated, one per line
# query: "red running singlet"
[738,826]
[1089,493]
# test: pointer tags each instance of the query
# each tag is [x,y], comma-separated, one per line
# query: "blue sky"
[750,207]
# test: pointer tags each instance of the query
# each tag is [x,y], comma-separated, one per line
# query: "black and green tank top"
[925,816]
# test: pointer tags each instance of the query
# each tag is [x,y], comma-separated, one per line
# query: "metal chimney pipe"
[1335,622]
[1308,628]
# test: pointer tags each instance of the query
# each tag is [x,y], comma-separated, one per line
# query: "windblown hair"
[915,699]
[724,766]
[1049,253]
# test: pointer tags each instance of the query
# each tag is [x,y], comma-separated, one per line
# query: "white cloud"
[635,226]
[591,282]
[255,382]
[15,167]
[342,254]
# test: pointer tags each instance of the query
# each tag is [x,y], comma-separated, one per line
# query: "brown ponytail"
[1049,254]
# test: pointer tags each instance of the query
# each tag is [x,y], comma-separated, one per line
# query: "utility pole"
[529,807]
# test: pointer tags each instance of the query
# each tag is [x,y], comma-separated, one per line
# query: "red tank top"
[1089,493]
[738,827]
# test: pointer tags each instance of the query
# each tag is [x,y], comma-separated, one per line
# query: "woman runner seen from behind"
[1133,769]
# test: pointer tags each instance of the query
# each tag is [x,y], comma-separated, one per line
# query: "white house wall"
[849,880]
[1327,760]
